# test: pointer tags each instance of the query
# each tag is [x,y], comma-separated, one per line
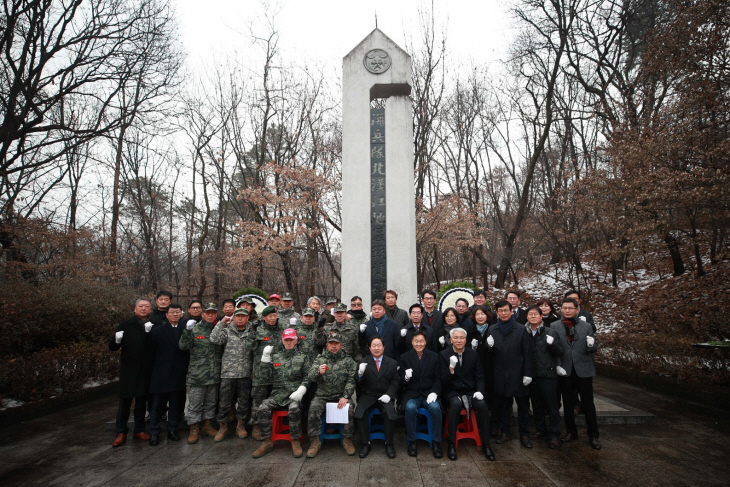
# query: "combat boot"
[296,448]
[265,448]
[208,428]
[348,446]
[241,429]
[221,432]
[194,432]
[314,446]
[256,433]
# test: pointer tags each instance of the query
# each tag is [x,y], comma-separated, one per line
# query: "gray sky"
[324,31]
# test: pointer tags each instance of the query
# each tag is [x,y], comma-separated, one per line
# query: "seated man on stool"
[378,376]
[419,371]
[462,378]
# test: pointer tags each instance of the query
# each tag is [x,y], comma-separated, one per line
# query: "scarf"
[379,324]
[569,330]
[482,328]
[506,326]
[357,313]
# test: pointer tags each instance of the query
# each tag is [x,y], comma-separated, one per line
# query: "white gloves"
[292,321]
[118,336]
[526,381]
[363,327]
[590,341]
[403,332]
[361,369]
[490,341]
[147,327]
[385,399]
[478,396]
[266,357]
[549,339]
[431,398]
[190,324]
[561,371]
[474,343]
[582,318]
[442,341]
[298,394]
[453,361]
[409,374]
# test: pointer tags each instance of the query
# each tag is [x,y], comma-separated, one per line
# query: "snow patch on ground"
[9,402]
[95,383]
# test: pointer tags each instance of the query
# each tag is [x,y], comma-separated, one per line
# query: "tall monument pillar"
[378,197]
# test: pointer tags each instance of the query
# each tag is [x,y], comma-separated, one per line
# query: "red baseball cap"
[275,296]
[289,334]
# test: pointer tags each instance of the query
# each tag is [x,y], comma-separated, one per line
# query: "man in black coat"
[133,337]
[396,314]
[513,298]
[378,378]
[432,316]
[169,367]
[380,325]
[414,325]
[511,349]
[462,380]
[162,302]
[462,309]
[420,374]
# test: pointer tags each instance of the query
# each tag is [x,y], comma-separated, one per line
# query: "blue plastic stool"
[330,436]
[424,431]
[377,431]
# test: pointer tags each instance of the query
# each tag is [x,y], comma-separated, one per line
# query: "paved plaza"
[687,444]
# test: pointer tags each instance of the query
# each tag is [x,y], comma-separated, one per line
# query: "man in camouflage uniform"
[286,311]
[356,314]
[263,333]
[287,369]
[204,372]
[250,305]
[348,332]
[235,372]
[334,373]
[307,333]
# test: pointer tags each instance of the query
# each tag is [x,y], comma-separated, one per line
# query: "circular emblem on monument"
[377,61]
[261,303]
[448,300]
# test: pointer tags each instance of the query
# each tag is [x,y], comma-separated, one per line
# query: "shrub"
[452,285]
[250,290]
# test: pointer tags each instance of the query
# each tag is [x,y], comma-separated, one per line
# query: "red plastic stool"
[280,431]
[466,429]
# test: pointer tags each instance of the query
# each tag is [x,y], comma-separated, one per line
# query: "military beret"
[268,310]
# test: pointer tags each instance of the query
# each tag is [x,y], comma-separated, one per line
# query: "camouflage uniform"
[337,382]
[204,371]
[259,336]
[235,369]
[307,343]
[287,371]
[285,314]
[348,332]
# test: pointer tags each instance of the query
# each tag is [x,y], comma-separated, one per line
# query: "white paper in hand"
[336,415]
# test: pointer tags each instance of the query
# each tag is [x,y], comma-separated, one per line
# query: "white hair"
[309,301]
[454,330]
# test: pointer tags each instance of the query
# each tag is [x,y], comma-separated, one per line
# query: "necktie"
[377,364]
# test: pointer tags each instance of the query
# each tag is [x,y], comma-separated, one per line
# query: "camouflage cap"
[210,307]
[241,311]
[334,337]
[308,312]
[287,297]
[331,301]
[249,300]
[268,310]
[339,307]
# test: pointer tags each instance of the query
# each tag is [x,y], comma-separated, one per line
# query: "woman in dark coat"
[476,338]
[547,308]
[451,321]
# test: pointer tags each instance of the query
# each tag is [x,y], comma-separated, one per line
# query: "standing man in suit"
[396,314]
[513,298]
[378,377]
[132,336]
[579,345]
[463,381]
[511,349]
[416,324]
[419,372]
[382,326]
[169,367]
[431,316]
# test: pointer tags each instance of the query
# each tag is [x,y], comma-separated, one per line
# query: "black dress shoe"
[154,440]
[595,444]
[503,438]
[451,452]
[437,453]
[390,451]
[172,435]
[537,435]
[412,449]
[488,453]
[569,437]
[553,443]
[525,440]
[364,450]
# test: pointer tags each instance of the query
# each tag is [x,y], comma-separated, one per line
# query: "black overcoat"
[374,384]
[134,363]
[426,378]
[169,363]
[512,359]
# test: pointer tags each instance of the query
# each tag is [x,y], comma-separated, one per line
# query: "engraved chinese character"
[377,137]
[378,168]
[377,184]
[377,202]
[378,234]
[378,252]
[377,151]
[379,217]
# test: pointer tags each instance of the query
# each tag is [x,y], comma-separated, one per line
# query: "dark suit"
[425,379]
[373,384]
[435,321]
[390,336]
[405,342]
[467,379]
[169,367]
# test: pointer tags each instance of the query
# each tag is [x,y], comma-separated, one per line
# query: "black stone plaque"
[378,255]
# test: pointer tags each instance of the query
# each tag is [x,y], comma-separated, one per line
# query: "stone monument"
[378,197]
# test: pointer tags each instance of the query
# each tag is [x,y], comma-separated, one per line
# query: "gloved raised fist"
[474,343]
[453,361]
[292,321]
[385,399]
[298,394]
[361,369]
[590,341]
[409,374]
[266,356]
[403,332]
[363,327]
[549,339]
[118,336]
[478,396]
[190,324]
[431,398]
[490,341]
[561,371]
[526,381]
[442,340]
[147,327]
